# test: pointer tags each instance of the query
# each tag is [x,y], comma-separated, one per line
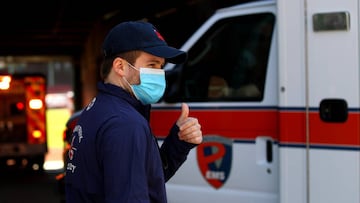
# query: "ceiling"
[60,27]
[52,27]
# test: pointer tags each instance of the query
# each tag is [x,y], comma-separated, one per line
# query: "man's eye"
[153,66]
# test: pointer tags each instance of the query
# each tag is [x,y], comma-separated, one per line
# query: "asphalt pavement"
[19,186]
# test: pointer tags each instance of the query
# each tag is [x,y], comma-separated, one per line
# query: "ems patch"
[214,157]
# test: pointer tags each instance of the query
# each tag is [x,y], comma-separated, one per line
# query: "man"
[114,157]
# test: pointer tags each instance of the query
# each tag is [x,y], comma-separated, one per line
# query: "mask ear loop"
[127,82]
[131,87]
[133,66]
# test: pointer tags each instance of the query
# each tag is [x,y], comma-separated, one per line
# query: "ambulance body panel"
[275,86]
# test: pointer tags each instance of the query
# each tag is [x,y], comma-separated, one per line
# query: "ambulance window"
[228,63]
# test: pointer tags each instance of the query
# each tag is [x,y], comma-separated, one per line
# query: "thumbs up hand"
[190,129]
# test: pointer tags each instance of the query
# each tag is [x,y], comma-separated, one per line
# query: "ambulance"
[275,86]
[23,141]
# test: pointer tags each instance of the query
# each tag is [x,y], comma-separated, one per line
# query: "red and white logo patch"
[214,157]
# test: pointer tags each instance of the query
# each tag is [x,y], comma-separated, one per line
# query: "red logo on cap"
[159,35]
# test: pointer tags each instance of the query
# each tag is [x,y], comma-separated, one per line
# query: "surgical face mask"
[152,85]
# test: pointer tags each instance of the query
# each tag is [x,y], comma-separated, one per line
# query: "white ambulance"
[275,85]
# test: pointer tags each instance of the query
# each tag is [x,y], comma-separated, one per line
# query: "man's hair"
[107,63]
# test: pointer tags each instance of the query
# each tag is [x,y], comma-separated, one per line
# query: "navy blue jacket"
[115,157]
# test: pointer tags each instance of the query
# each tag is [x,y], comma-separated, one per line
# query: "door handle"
[264,150]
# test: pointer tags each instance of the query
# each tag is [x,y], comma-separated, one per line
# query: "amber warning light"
[36,134]
[5,82]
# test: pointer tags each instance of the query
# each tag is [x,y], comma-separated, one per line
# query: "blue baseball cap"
[140,35]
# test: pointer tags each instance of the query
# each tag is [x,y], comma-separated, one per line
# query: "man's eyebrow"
[162,63]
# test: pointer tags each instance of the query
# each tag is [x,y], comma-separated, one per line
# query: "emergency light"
[5,82]
[35,104]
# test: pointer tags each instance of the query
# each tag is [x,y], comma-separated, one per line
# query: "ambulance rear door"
[333,99]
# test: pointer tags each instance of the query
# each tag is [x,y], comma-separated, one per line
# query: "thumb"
[184,113]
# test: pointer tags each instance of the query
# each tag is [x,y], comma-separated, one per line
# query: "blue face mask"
[152,85]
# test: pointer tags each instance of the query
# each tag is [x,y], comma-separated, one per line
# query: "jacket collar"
[119,92]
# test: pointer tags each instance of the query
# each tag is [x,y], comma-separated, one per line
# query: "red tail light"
[20,106]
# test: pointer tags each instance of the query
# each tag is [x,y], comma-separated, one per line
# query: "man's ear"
[118,66]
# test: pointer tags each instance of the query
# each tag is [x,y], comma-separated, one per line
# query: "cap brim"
[170,54]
